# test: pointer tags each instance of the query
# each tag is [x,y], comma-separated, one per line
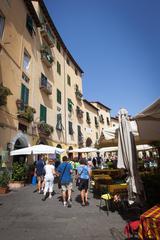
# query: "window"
[58,96]
[24,94]
[108,123]
[68,80]
[59,125]
[58,46]
[96,135]
[88,118]
[43,113]
[29,24]
[76,72]
[70,105]
[68,62]
[70,128]
[2,21]
[26,62]
[59,68]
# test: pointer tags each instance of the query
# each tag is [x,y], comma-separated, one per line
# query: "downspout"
[65,100]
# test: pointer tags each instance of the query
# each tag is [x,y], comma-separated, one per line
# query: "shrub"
[4,178]
[19,171]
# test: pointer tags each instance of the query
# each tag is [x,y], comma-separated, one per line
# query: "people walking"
[65,176]
[39,172]
[84,173]
[49,178]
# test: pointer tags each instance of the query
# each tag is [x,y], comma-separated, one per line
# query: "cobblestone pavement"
[24,216]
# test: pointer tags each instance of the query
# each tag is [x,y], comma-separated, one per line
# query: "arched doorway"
[19,141]
[88,142]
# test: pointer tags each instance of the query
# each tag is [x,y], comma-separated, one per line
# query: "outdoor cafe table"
[102,179]
[112,172]
[149,227]
[114,188]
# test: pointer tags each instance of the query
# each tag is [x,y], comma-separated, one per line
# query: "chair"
[131,229]
[106,197]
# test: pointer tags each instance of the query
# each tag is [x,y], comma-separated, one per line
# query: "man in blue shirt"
[65,176]
[39,172]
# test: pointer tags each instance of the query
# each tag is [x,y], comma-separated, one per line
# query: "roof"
[46,13]
[32,11]
[101,104]
[91,105]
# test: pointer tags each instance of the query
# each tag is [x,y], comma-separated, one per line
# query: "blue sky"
[117,44]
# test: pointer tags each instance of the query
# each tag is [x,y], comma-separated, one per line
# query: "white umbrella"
[108,149]
[83,150]
[37,149]
[127,157]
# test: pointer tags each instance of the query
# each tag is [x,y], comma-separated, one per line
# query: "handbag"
[79,179]
[59,181]
[34,180]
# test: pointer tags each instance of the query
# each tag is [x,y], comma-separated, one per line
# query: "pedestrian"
[84,173]
[39,172]
[49,178]
[65,176]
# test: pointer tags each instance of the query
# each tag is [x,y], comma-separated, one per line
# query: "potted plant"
[4,181]
[18,175]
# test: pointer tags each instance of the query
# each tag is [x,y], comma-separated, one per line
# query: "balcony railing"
[79,112]
[25,112]
[47,35]
[45,128]
[45,86]
[47,57]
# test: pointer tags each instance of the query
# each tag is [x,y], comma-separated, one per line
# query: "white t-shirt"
[49,171]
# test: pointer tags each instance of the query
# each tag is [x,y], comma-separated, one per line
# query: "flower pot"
[4,190]
[16,184]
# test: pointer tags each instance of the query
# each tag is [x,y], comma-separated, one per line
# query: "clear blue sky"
[117,44]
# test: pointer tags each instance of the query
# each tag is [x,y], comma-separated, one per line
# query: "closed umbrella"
[37,149]
[127,157]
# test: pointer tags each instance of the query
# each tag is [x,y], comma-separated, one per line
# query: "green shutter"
[43,113]
[58,96]
[59,68]
[24,94]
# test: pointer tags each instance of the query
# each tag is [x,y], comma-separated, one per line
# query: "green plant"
[45,128]
[19,171]
[27,113]
[4,178]
[4,92]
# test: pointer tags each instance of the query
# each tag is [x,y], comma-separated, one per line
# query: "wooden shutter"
[43,113]
[24,94]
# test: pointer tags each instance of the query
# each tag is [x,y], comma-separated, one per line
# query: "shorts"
[66,187]
[83,184]
[40,178]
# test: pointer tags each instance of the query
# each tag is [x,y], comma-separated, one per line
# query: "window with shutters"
[59,125]
[58,46]
[29,24]
[70,105]
[59,96]
[26,61]
[68,80]
[43,113]
[70,125]
[2,22]
[24,94]
[58,68]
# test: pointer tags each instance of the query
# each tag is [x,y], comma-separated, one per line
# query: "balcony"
[79,112]
[45,85]
[78,93]
[47,35]
[4,93]
[25,112]
[47,57]
[45,128]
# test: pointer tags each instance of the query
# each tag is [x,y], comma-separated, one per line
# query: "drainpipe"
[65,100]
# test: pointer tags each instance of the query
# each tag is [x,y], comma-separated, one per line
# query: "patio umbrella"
[83,150]
[127,157]
[37,149]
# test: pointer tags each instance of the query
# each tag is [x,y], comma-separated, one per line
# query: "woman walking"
[84,173]
[48,179]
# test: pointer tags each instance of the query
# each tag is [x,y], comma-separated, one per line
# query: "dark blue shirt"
[65,169]
[40,167]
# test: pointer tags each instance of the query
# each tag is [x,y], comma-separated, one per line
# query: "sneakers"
[64,204]
[69,204]
[44,198]
[50,196]
[83,204]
